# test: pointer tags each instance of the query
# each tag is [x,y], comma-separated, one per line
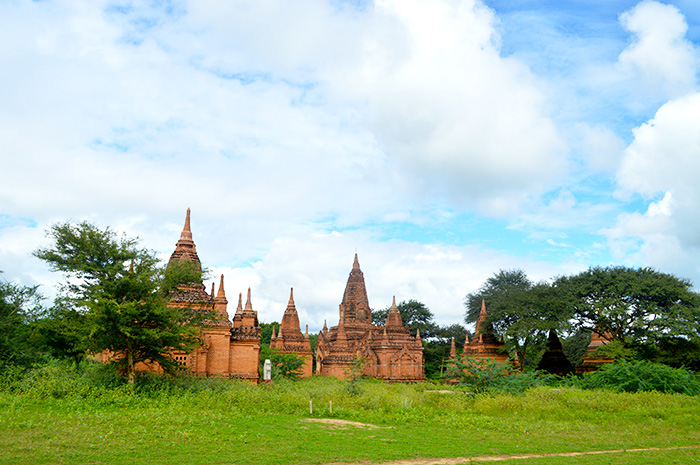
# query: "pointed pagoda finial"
[306,334]
[273,333]
[453,349]
[325,326]
[419,343]
[240,302]
[221,292]
[466,339]
[483,308]
[393,301]
[212,290]
[291,298]
[356,263]
[393,317]
[187,221]
[248,303]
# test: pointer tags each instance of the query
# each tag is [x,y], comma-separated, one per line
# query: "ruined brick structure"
[484,344]
[591,360]
[289,340]
[228,349]
[390,351]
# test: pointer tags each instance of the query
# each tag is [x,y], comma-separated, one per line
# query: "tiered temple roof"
[290,340]
[389,351]
[484,344]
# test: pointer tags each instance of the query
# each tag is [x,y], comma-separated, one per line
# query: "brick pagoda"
[290,340]
[390,352]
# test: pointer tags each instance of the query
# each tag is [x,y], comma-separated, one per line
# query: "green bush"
[641,376]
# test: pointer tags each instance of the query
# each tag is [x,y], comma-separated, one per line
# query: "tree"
[19,306]
[502,284]
[284,364]
[414,314]
[520,311]
[124,295]
[63,331]
[632,305]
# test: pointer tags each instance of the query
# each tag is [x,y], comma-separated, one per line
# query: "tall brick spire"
[393,317]
[290,319]
[220,303]
[355,305]
[479,330]
[185,249]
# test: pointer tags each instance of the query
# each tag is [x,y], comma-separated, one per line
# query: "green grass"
[56,419]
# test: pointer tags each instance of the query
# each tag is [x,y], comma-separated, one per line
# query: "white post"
[267,370]
[331,406]
[311,407]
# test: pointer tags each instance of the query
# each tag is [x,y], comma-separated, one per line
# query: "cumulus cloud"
[317,265]
[662,162]
[661,53]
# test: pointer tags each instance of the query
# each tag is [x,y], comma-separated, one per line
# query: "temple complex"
[484,344]
[389,352]
[290,340]
[228,349]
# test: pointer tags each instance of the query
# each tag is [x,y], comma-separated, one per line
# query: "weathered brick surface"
[390,351]
[228,349]
[290,340]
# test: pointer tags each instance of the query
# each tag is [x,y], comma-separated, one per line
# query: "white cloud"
[661,53]
[317,267]
[663,160]
[601,149]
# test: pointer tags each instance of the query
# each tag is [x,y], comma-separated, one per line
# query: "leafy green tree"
[520,311]
[500,286]
[284,365]
[19,306]
[480,374]
[63,331]
[124,294]
[266,332]
[632,305]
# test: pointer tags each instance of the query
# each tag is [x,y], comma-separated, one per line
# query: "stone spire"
[221,294]
[273,333]
[453,349]
[239,309]
[185,249]
[419,342]
[480,323]
[393,317]
[248,303]
[220,303]
[290,319]
[355,305]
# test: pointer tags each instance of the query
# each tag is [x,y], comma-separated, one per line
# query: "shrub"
[641,376]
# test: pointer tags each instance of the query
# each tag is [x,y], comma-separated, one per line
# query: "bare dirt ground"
[332,423]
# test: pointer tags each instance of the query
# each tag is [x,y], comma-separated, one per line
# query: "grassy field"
[61,421]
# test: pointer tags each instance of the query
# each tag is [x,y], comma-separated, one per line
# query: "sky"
[441,140]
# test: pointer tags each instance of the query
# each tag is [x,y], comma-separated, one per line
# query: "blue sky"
[442,140]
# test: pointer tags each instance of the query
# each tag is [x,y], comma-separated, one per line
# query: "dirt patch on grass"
[340,424]
[502,458]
